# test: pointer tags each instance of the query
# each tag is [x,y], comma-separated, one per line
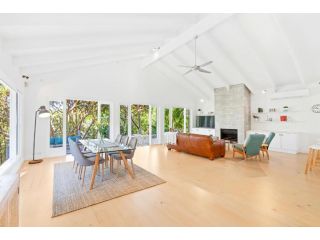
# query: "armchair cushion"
[238,146]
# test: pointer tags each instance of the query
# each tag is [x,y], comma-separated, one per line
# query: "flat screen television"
[205,122]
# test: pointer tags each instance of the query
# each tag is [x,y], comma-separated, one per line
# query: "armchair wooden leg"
[233,153]
[267,152]
[259,157]
[84,174]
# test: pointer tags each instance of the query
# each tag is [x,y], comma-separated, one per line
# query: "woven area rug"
[69,195]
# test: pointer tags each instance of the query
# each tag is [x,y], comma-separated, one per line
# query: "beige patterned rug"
[69,195]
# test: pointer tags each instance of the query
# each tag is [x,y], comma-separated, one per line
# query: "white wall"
[300,117]
[118,83]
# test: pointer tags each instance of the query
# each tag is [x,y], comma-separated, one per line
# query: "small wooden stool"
[313,156]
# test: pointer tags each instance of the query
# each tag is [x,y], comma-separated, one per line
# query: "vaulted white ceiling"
[264,51]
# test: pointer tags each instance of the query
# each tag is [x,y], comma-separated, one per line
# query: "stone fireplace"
[232,111]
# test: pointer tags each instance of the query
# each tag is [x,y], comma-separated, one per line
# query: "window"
[178,119]
[154,122]
[166,119]
[56,123]
[81,117]
[105,120]
[124,120]
[140,123]
[4,123]
[187,120]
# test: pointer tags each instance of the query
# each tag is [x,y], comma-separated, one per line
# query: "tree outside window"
[123,120]
[4,123]
[178,119]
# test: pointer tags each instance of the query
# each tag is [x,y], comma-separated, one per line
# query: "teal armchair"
[265,146]
[251,146]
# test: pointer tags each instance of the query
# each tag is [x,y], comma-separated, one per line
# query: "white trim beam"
[206,24]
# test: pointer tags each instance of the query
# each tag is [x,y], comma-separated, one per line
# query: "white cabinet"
[282,142]
[204,131]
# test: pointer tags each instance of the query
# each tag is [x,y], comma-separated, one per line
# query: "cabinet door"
[289,142]
[275,145]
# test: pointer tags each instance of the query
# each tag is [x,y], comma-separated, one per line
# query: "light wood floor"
[198,192]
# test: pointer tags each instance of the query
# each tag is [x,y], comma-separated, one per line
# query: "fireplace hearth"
[229,134]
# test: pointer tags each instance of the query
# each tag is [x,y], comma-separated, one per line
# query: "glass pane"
[105,121]
[187,120]
[4,123]
[56,123]
[81,119]
[154,122]
[178,119]
[140,123]
[123,120]
[166,120]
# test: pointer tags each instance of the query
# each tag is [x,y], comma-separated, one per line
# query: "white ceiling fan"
[196,67]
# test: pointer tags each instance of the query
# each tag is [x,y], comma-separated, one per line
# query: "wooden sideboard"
[9,200]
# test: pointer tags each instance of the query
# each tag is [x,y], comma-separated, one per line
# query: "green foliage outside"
[178,119]
[140,119]
[56,118]
[123,120]
[4,122]
[166,120]
[154,122]
[105,121]
[82,117]
[188,121]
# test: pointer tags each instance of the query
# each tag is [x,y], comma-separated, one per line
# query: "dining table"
[100,146]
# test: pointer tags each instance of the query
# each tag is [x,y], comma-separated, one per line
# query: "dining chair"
[124,140]
[265,145]
[251,146]
[129,154]
[118,139]
[83,162]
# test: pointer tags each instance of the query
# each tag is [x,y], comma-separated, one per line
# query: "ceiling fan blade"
[205,64]
[202,70]
[188,72]
[185,66]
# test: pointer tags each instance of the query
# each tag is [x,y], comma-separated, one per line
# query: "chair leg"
[233,153]
[84,174]
[132,167]
[308,161]
[259,157]
[267,152]
[102,171]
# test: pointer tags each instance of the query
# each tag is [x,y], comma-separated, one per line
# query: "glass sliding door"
[105,120]
[4,123]
[166,120]
[81,117]
[154,122]
[56,123]
[140,123]
[187,120]
[178,119]
[124,120]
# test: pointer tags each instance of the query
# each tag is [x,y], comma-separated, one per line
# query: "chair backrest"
[118,139]
[269,138]
[133,144]
[253,143]
[124,140]
[77,154]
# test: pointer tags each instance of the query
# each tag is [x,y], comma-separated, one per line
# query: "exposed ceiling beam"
[285,40]
[170,62]
[204,25]
[259,55]
[74,55]
[76,64]
[233,62]
[88,19]
[31,45]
